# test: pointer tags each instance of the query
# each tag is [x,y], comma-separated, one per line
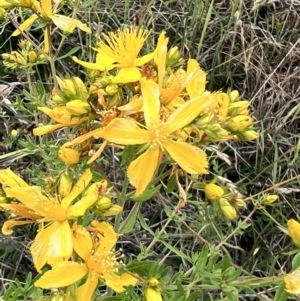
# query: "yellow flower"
[213,191]
[152,294]
[53,242]
[294,231]
[292,282]
[121,50]
[45,11]
[68,155]
[158,136]
[100,263]
[63,116]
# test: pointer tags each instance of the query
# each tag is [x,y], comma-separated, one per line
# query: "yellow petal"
[132,107]
[124,131]
[82,26]
[47,40]
[64,23]
[140,172]
[141,61]
[40,246]
[46,6]
[82,242]
[9,179]
[92,66]
[62,274]
[127,75]
[186,113]
[85,291]
[82,138]
[36,202]
[117,283]
[6,228]
[79,208]
[98,153]
[196,79]
[108,236]
[190,158]
[25,25]
[150,93]
[43,130]
[105,62]
[82,183]
[60,244]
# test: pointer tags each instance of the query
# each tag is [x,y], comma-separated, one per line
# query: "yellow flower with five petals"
[120,50]
[100,263]
[53,242]
[158,135]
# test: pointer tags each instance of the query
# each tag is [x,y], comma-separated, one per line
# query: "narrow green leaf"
[71,52]
[281,294]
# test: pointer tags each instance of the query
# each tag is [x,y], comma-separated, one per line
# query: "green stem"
[51,58]
[122,200]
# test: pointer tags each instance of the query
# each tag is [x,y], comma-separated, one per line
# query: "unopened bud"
[69,156]
[240,122]
[173,57]
[104,81]
[103,204]
[248,135]
[32,56]
[111,89]
[213,192]
[227,209]
[41,58]
[65,184]
[269,199]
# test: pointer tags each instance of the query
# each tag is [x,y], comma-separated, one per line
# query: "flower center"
[158,133]
[104,264]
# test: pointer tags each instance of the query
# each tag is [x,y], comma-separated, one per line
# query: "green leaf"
[141,268]
[127,154]
[71,52]
[146,195]
[231,292]
[281,294]
[129,222]
[144,224]
[296,261]
[176,251]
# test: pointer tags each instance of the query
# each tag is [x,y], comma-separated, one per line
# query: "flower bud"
[80,87]
[269,199]
[153,282]
[67,86]
[152,294]
[173,57]
[104,81]
[240,203]
[240,122]
[78,107]
[111,89]
[113,210]
[41,58]
[65,184]
[32,56]
[213,192]
[248,135]
[6,4]
[239,108]
[68,155]
[103,204]
[14,133]
[234,96]
[228,210]
[294,232]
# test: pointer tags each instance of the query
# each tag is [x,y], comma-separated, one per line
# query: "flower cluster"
[150,102]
